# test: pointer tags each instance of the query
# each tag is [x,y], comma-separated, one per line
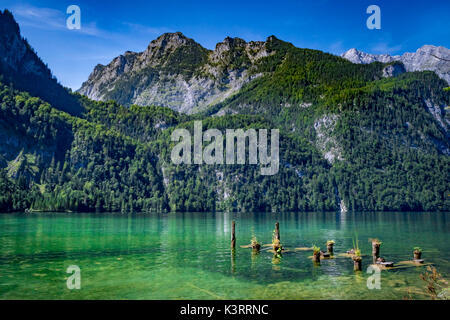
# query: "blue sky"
[109,29]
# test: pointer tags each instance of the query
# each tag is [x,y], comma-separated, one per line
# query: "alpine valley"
[359,132]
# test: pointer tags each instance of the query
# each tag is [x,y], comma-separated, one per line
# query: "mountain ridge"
[21,66]
[177,72]
[200,78]
[427,57]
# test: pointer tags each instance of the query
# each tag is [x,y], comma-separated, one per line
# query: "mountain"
[20,65]
[176,72]
[362,137]
[428,57]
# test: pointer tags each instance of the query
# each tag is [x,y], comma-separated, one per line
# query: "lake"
[188,256]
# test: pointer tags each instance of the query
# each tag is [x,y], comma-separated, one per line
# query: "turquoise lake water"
[188,256]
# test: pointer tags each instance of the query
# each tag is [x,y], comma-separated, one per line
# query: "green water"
[187,255]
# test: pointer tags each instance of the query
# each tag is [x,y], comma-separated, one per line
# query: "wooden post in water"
[375,249]
[233,260]
[357,263]
[277,231]
[233,235]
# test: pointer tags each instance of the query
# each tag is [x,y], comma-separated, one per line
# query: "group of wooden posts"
[355,254]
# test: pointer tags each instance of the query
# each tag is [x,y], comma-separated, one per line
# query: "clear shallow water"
[187,255]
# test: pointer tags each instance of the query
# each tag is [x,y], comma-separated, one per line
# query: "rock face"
[393,70]
[20,65]
[360,57]
[428,57]
[16,53]
[177,72]
[325,140]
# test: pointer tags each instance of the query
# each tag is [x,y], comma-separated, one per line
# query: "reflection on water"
[188,255]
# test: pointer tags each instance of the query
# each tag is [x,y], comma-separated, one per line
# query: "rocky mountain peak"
[232,43]
[427,57]
[272,38]
[177,72]
[356,56]
[7,23]
[168,42]
[428,49]
[20,65]
[16,53]
[165,44]
[228,49]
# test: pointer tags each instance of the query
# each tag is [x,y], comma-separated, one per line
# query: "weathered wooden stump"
[357,263]
[276,245]
[256,246]
[316,257]
[330,247]
[417,255]
[376,249]
[277,231]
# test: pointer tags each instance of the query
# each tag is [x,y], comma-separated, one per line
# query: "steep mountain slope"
[176,72]
[20,65]
[118,159]
[428,57]
[374,130]
[62,162]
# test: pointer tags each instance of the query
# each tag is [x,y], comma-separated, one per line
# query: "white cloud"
[383,47]
[42,18]
[52,19]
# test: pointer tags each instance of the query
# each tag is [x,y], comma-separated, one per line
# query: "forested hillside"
[118,159]
[352,136]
